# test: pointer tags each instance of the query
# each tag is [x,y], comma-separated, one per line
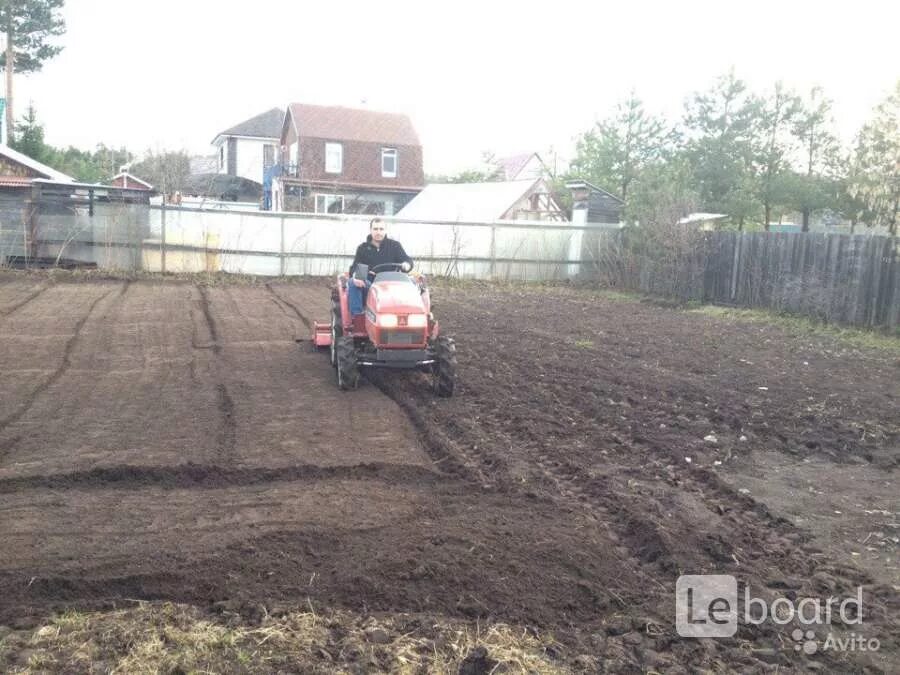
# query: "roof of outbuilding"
[36,166]
[466,202]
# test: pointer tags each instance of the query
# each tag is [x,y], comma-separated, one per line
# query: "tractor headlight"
[417,321]
[387,320]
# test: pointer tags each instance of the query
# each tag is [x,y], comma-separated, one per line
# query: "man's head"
[377,230]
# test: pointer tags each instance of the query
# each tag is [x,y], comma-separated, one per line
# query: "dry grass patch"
[170,638]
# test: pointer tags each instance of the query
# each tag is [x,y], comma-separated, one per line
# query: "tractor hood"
[396,297]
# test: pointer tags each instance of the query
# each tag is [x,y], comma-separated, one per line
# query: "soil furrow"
[215,477]
[285,302]
[58,373]
[229,426]
[15,307]
[210,322]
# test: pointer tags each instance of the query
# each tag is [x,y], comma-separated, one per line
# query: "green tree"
[619,148]
[719,125]
[467,176]
[662,194]
[107,161]
[489,172]
[846,199]
[773,147]
[819,184]
[167,171]
[876,166]
[84,166]
[29,26]
[29,137]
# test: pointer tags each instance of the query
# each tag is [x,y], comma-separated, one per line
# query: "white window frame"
[387,152]
[294,157]
[327,200]
[274,151]
[332,165]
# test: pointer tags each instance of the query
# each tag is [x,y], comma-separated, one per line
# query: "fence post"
[31,237]
[281,250]
[735,265]
[162,241]
[493,250]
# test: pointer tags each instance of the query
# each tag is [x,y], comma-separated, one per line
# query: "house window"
[293,159]
[329,203]
[232,156]
[221,157]
[334,157]
[268,155]
[388,163]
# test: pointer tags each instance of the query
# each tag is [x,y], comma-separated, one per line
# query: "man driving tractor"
[377,249]
[381,319]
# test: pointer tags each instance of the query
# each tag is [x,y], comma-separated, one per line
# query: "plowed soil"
[169,440]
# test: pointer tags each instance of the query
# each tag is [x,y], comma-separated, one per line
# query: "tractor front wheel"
[444,370]
[347,369]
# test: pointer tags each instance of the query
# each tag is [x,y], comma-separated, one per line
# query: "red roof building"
[347,160]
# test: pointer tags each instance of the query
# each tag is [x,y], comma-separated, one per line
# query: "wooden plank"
[892,316]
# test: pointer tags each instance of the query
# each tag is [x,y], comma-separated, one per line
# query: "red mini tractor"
[397,330]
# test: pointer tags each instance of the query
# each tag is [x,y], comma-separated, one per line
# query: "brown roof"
[15,181]
[351,124]
[511,166]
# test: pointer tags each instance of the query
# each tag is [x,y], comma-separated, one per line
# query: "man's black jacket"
[390,251]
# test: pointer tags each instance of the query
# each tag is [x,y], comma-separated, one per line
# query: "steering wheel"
[387,267]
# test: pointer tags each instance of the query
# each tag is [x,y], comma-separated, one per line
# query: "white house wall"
[389,199]
[249,157]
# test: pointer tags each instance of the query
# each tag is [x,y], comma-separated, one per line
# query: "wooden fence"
[832,277]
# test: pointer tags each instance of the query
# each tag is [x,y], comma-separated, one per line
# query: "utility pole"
[10,66]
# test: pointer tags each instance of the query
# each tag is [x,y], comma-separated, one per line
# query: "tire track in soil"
[623,516]
[210,322]
[59,372]
[638,521]
[22,303]
[632,527]
[226,407]
[446,458]
[283,302]
[569,491]
[434,442]
[228,439]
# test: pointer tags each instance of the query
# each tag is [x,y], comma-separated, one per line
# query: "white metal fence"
[250,242]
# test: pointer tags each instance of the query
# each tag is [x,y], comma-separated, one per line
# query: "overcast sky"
[505,77]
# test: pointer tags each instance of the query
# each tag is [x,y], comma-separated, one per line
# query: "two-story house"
[249,148]
[346,160]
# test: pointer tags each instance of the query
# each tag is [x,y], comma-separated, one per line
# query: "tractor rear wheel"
[444,371]
[347,369]
[336,333]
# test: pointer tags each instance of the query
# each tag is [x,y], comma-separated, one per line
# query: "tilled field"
[166,440]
